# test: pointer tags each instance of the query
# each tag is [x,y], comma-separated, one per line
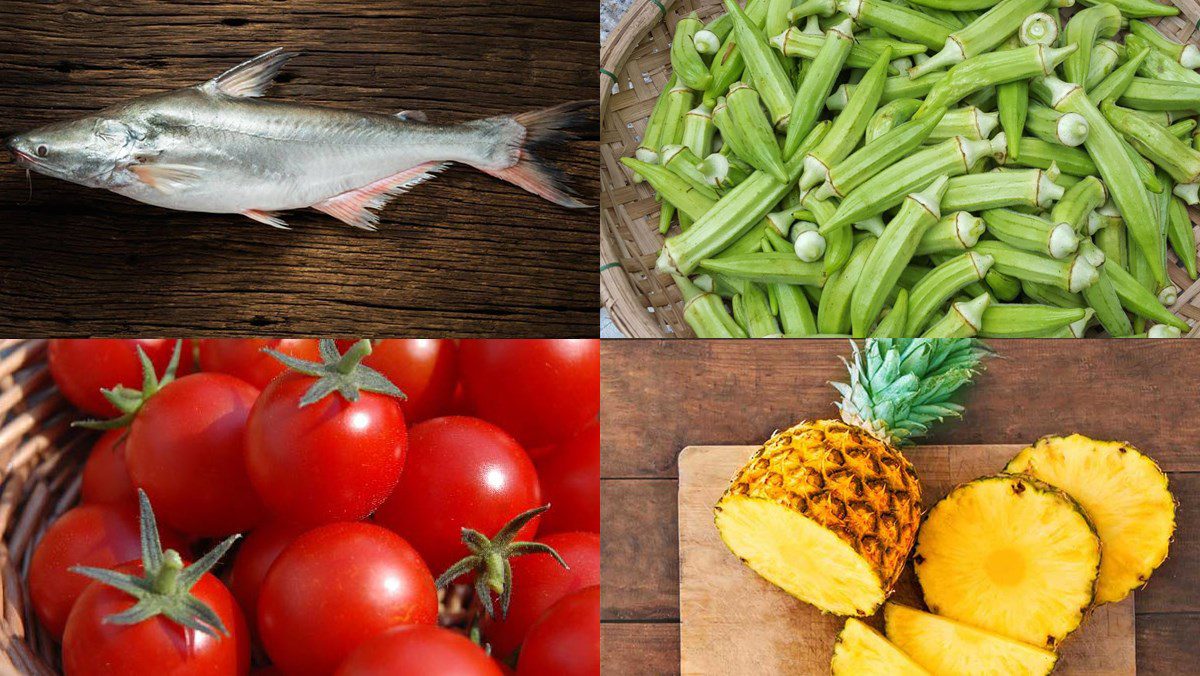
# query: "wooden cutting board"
[734,622]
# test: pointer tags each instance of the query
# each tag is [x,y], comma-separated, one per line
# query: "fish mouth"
[22,157]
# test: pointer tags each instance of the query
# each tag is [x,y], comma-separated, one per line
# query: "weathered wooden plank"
[639,649]
[465,254]
[1166,644]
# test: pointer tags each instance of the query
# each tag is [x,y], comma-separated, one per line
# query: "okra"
[993,68]
[940,284]
[1182,129]
[1156,143]
[887,188]
[1082,31]
[1012,106]
[1187,56]
[889,116]
[1182,235]
[969,122]
[1003,287]
[1162,331]
[1141,301]
[760,321]
[866,162]
[1148,94]
[807,8]
[863,54]
[833,312]
[1049,294]
[698,130]
[1078,201]
[1188,192]
[723,173]
[1158,65]
[1038,28]
[1103,299]
[895,249]
[954,232]
[1031,233]
[954,5]
[769,77]
[747,128]
[1041,154]
[684,164]
[1072,274]
[1026,320]
[685,60]
[1137,9]
[962,320]
[894,319]
[982,35]
[1068,129]
[674,189]
[848,127]
[818,81]
[705,313]
[727,67]
[1112,239]
[905,23]
[1106,55]
[995,189]
[766,268]
[1115,84]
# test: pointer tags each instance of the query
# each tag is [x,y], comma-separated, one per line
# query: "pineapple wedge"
[949,648]
[862,651]
[1124,494]
[1012,555]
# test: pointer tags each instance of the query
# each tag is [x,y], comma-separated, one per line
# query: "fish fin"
[166,178]
[355,207]
[250,78]
[413,116]
[540,129]
[268,217]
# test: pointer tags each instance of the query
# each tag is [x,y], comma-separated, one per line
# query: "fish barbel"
[218,148]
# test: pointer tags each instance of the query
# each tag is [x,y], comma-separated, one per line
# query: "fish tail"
[542,130]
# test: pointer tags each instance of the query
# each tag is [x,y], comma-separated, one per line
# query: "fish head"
[91,151]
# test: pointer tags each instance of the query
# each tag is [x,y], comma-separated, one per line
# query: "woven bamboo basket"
[41,457]
[635,64]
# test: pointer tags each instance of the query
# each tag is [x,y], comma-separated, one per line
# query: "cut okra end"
[1083,274]
[706,42]
[1063,241]
[810,246]
[1168,295]
[1164,331]
[1072,129]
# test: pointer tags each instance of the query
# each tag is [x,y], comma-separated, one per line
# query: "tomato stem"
[337,372]
[128,400]
[353,357]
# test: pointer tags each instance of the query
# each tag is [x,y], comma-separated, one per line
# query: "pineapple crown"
[898,387]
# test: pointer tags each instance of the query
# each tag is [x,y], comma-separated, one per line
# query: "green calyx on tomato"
[164,588]
[128,400]
[341,373]
[489,560]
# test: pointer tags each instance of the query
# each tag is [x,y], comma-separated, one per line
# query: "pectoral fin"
[413,116]
[250,78]
[166,178]
[266,217]
[355,207]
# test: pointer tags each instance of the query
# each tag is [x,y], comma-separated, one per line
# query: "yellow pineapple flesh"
[1125,495]
[862,651]
[949,648]
[1012,555]
[825,511]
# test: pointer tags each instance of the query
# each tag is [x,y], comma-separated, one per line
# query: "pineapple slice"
[949,648]
[862,651]
[1012,555]
[1124,494]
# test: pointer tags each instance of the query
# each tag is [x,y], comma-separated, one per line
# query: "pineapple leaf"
[898,387]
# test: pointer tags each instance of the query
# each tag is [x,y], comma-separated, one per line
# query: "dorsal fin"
[250,78]
[413,116]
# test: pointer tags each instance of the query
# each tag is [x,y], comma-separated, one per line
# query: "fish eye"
[42,151]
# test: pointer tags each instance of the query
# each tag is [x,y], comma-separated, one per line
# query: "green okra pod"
[818,81]
[674,189]
[705,313]
[698,130]
[1002,287]
[894,319]
[969,122]
[981,35]
[769,77]
[727,67]
[684,164]
[767,268]
[866,162]
[1159,66]
[954,232]
[647,150]
[848,127]
[1103,298]
[1031,233]
[1155,142]
[1082,31]
[1141,301]
[995,189]
[1012,107]
[1182,129]
[795,313]
[1188,192]
[1187,56]
[962,320]
[993,68]
[1106,55]
[1041,154]
[904,23]
[1049,294]
[889,116]
[1072,274]
[1181,235]
[1078,201]
[807,8]
[1112,240]
[940,284]
[723,173]
[685,60]
[1149,95]
[1137,9]
[863,53]
[1048,124]
[1026,320]
[955,5]
[760,322]
[747,123]
[833,311]
[1114,85]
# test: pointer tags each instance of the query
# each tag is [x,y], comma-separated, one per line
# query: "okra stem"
[1078,201]
[962,320]
[705,313]
[1182,236]
[954,232]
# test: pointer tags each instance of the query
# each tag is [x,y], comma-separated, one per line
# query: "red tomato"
[336,586]
[90,535]
[538,581]
[333,460]
[565,641]
[245,359]
[539,391]
[424,369]
[94,647]
[186,450]
[570,479]
[412,650]
[460,473]
[105,475]
[82,366]
[254,558]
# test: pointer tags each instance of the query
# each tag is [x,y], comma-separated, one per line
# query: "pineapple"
[949,648]
[862,651]
[1124,494]
[1012,555]
[828,510]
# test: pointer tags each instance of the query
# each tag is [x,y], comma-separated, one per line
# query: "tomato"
[336,586]
[245,359]
[539,391]
[565,641]
[425,369]
[538,581]
[412,650]
[105,474]
[570,479]
[460,473]
[89,535]
[329,460]
[254,558]
[94,647]
[186,450]
[82,366]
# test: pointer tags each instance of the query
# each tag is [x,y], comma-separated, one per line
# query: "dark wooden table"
[465,254]
[658,397]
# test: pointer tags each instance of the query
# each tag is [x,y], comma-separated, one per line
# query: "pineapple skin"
[847,481]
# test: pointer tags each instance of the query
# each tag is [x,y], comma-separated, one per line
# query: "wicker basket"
[635,64]
[41,456]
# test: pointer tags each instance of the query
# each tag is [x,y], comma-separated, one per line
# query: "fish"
[219,147]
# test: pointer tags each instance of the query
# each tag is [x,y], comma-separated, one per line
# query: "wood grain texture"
[769,632]
[464,254]
[660,396]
